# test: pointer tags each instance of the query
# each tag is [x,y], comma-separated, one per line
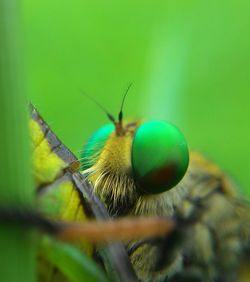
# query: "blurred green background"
[189,61]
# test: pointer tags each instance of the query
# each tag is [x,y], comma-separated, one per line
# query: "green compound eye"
[95,144]
[159,156]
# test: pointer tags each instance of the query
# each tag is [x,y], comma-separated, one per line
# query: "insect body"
[137,169]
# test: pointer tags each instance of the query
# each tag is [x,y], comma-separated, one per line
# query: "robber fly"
[145,169]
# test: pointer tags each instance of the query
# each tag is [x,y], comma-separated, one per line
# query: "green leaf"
[71,261]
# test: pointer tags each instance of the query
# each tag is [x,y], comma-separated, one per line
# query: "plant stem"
[17,245]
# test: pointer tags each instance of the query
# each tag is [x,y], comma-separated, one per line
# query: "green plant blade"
[71,261]
[17,245]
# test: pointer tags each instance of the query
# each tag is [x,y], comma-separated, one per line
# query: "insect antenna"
[110,116]
[118,124]
[120,115]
